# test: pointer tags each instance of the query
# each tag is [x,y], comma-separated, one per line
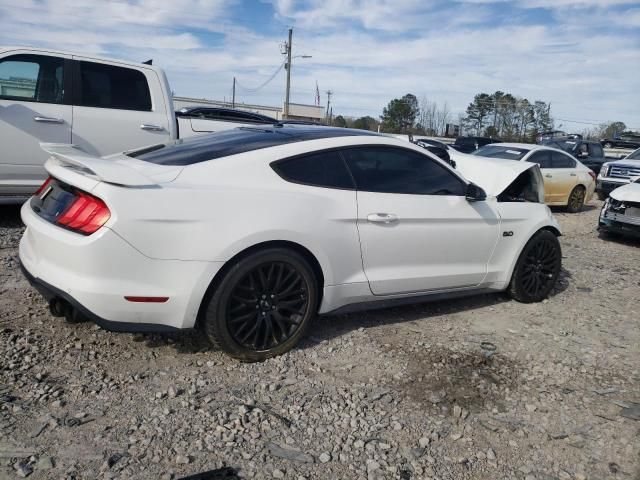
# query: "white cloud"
[366,51]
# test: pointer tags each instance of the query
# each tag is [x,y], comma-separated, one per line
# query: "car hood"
[625,163]
[495,175]
[627,193]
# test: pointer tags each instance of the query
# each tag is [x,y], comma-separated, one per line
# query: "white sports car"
[249,233]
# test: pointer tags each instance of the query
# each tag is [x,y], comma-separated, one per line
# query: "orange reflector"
[147,299]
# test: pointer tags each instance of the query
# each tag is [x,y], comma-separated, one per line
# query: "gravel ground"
[481,388]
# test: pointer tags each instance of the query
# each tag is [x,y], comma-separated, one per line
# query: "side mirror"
[442,154]
[475,193]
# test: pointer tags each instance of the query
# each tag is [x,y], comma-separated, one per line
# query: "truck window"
[108,86]
[32,78]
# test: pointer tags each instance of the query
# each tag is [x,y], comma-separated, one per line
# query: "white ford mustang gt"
[249,233]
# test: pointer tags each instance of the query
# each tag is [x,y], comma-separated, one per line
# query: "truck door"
[33,108]
[117,108]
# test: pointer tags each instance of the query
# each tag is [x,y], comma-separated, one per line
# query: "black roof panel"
[239,140]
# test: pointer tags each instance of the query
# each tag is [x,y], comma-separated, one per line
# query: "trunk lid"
[76,167]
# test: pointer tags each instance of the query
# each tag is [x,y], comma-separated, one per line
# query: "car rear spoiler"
[110,171]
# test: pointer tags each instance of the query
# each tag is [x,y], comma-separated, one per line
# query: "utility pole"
[233,98]
[329,93]
[288,67]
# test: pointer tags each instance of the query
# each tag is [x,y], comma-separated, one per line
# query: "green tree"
[339,121]
[400,115]
[612,129]
[365,123]
[478,112]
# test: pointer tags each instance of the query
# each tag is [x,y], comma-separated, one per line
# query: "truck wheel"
[537,269]
[262,306]
[576,199]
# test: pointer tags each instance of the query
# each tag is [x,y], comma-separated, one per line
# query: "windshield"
[566,145]
[508,153]
[634,155]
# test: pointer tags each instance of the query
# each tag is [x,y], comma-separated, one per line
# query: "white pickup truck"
[100,105]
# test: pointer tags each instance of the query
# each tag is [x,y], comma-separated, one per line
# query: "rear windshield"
[508,153]
[232,142]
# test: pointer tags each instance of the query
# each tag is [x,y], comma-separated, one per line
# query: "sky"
[582,56]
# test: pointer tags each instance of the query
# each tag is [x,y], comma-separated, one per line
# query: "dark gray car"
[589,153]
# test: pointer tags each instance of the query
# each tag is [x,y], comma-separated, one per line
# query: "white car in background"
[249,233]
[621,211]
[567,182]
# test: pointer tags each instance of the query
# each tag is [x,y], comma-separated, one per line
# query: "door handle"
[48,120]
[153,128]
[572,174]
[548,175]
[382,218]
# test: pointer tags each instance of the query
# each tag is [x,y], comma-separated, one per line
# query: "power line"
[262,85]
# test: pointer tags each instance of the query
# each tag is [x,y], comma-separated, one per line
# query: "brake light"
[593,175]
[85,215]
[43,186]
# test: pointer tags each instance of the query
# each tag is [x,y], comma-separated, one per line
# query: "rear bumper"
[94,274]
[50,293]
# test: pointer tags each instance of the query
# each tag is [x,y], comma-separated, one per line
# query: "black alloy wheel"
[576,199]
[266,307]
[537,269]
[263,305]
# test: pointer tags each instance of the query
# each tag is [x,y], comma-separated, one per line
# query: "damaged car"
[620,213]
[248,234]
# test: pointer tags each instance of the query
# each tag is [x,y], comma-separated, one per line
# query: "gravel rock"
[325,457]
[478,387]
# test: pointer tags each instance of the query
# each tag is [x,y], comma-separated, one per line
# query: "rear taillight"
[593,175]
[86,214]
[43,187]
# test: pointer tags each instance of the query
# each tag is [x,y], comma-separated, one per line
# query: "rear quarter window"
[322,169]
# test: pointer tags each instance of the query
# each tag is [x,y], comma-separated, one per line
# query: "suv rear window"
[108,86]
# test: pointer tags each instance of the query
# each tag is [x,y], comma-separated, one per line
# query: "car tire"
[576,199]
[602,196]
[262,306]
[537,268]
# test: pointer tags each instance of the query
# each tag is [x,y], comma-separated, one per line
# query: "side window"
[596,150]
[321,169]
[543,159]
[108,86]
[561,160]
[396,170]
[32,78]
